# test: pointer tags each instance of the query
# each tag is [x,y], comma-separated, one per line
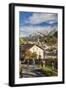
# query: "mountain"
[53,33]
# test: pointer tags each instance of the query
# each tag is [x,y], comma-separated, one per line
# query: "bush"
[49,72]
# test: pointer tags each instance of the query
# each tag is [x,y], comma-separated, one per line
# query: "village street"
[31,71]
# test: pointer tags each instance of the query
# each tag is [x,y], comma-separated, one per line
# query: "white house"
[38,50]
[33,48]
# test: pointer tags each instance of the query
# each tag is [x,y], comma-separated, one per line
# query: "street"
[31,71]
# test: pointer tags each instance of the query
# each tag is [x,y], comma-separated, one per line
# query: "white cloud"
[51,21]
[37,18]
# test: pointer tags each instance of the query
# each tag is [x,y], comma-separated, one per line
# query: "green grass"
[49,72]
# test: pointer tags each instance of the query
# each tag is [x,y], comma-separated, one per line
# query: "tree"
[23,41]
[34,55]
[27,54]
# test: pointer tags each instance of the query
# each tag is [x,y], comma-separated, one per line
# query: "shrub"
[48,72]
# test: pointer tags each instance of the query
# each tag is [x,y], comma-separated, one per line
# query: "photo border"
[12,44]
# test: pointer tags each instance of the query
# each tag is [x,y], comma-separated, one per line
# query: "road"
[31,71]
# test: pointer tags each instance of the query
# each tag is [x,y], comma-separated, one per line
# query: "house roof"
[28,46]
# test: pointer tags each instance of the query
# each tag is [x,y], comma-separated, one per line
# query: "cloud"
[38,18]
[52,22]
[39,22]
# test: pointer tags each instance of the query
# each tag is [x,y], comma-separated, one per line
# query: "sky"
[34,22]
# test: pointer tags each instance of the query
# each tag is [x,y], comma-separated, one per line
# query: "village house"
[33,48]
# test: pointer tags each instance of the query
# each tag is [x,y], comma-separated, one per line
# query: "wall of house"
[38,51]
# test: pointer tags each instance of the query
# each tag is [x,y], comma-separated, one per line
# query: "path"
[30,71]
